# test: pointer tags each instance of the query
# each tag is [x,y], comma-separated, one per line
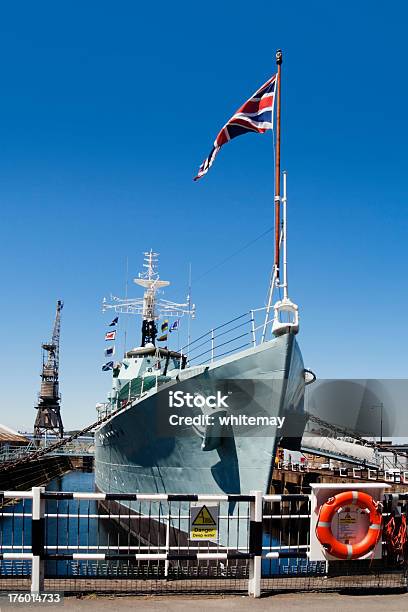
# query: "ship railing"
[10,452]
[243,331]
[48,537]
[104,409]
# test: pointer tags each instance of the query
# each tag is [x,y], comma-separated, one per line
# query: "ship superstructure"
[148,365]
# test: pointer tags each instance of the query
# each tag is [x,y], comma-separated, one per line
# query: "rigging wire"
[237,252]
[248,244]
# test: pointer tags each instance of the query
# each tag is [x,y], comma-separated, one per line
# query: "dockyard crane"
[48,417]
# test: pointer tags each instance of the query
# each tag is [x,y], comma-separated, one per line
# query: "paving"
[316,602]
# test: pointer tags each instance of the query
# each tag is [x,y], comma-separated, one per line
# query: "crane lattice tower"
[49,414]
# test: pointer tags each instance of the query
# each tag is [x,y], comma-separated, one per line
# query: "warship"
[149,443]
[138,449]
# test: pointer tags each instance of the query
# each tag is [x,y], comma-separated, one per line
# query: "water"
[81,482]
[64,534]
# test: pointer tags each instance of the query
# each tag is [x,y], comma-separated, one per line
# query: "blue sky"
[107,110]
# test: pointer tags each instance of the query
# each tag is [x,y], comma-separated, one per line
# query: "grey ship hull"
[135,454]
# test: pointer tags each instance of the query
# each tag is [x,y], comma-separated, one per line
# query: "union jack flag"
[256,115]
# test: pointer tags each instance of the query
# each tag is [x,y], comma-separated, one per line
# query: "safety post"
[167,563]
[37,540]
[253,329]
[255,544]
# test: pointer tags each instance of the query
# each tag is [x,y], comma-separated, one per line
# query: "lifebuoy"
[334,546]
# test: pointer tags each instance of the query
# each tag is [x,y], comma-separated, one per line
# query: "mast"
[274,281]
[286,312]
[150,281]
[150,306]
[277,164]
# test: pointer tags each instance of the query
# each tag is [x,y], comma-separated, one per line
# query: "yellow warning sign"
[203,521]
[348,527]
[204,517]
[347,519]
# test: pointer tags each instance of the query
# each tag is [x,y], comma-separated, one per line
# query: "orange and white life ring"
[324,531]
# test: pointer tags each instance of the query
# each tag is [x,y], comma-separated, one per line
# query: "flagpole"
[275,271]
[277,164]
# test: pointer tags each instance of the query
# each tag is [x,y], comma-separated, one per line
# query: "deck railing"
[241,332]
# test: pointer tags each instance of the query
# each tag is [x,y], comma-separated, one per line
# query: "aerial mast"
[150,306]
[277,165]
[48,417]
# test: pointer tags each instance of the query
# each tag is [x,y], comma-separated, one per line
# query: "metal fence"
[94,542]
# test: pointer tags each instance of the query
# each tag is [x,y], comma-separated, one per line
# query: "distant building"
[10,438]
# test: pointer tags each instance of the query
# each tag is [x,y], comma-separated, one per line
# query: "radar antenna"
[150,307]
[48,416]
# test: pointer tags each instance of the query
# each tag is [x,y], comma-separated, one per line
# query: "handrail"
[215,329]
[232,320]
[200,345]
[234,328]
[209,345]
[223,334]
[210,350]
[232,340]
[231,351]
[210,340]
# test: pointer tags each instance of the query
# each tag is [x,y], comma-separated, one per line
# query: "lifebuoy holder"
[324,525]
